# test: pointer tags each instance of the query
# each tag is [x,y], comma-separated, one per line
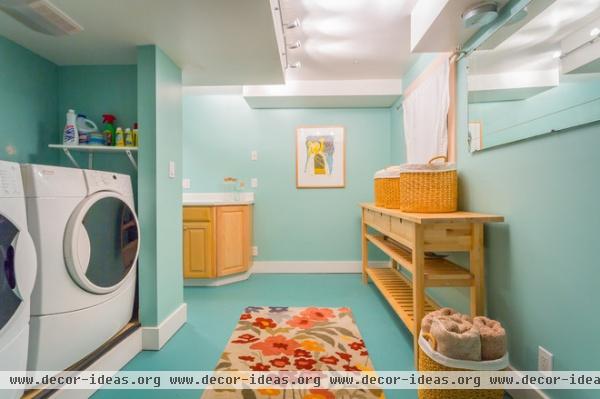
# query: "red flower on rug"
[319,394]
[263,323]
[345,356]
[245,316]
[304,364]
[350,368]
[260,367]
[329,360]
[245,339]
[302,353]
[276,345]
[246,358]
[280,362]
[364,353]
[357,345]
[318,314]
[300,322]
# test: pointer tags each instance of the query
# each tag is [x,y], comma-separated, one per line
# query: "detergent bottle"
[109,129]
[135,134]
[70,135]
[119,137]
[87,130]
[128,138]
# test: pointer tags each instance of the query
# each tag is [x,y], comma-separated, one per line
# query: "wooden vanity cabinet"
[217,240]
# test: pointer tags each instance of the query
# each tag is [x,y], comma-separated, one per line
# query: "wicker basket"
[427,363]
[427,188]
[387,187]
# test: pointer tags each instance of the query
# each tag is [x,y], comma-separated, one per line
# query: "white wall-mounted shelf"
[91,149]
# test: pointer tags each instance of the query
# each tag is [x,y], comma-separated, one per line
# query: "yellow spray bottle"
[119,137]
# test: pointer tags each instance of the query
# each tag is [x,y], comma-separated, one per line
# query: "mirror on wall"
[542,77]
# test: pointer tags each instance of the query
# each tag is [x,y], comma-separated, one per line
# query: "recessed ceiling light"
[295,45]
[480,15]
[355,61]
[295,65]
[556,54]
[595,32]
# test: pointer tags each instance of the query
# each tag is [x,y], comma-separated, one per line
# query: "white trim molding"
[216,282]
[532,393]
[303,267]
[154,338]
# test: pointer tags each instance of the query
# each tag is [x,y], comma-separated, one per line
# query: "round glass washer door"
[102,243]
[10,298]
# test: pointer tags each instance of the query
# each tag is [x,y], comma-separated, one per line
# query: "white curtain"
[426,116]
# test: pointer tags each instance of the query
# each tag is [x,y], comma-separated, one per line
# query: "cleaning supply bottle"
[70,135]
[128,138]
[135,134]
[119,137]
[88,131]
[109,129]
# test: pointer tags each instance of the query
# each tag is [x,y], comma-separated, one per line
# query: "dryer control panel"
[108,181]
[11,184]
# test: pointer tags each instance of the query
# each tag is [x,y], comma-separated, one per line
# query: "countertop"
[215,199]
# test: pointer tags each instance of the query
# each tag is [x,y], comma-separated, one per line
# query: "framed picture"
[320,157]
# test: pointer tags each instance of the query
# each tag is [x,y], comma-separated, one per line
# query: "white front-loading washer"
[17,274]
[86,232]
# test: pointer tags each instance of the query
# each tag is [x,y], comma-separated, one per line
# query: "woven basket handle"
[445,158]
[432,342]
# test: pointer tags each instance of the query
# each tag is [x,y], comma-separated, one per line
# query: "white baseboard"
[216,282]
[114,359]
[532,393]
[303,267]
[154,338]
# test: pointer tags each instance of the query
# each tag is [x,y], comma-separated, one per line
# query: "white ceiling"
[349,39]
[216,42]
[532,47]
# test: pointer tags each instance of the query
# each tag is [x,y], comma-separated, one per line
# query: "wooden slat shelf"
[438,272]
[397,290]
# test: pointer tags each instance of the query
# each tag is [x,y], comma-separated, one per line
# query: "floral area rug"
[277,338]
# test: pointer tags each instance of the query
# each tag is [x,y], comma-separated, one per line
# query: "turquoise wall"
[94,90]
[160,141]
[397,143]
[28,103]
[290,224]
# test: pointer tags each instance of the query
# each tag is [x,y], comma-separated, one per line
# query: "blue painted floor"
[213,313]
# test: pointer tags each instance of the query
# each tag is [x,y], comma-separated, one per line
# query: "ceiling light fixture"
[556,54]
[293,25]
[295,65]
[41,16]
[480,15]
[295,45]
[595,32]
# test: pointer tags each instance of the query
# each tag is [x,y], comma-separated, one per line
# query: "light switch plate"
[254,182]
[171,169]
[186,183]
[254,155]
[255,251]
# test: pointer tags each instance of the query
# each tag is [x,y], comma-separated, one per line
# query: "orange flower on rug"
[276,338]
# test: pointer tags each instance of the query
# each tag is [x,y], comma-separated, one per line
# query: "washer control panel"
[11,184]
[108,181]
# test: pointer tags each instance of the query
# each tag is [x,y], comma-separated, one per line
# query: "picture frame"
[320,157]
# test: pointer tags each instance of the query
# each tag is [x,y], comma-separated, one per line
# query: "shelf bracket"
[90,161]
[73,161]
[131,159]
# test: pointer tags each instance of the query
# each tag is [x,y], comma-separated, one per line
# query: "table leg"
[476,260]
[418,281]
[365,248]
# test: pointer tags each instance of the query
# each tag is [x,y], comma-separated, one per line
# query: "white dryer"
[84,225]
[17,273]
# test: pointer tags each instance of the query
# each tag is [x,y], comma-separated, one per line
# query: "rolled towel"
[456,337]
[493,338]
[426,322]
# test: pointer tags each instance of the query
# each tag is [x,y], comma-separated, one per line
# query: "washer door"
[10,297]
[102,242]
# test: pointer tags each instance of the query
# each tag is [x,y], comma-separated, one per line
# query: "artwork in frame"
[320,157]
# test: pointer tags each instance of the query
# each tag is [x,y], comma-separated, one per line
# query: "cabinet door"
[198,250]
[233,239]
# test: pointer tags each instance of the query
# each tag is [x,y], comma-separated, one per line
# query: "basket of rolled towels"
[450,341]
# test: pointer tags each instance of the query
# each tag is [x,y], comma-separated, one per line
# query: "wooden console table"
[407,238]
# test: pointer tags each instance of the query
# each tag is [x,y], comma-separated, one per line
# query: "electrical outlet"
[186,183]
[254,155]
[544,360]
[171,169]
[254,182]
[255,251]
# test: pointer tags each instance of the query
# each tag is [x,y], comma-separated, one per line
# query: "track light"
[295,65]
[294,24]
[295,45]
